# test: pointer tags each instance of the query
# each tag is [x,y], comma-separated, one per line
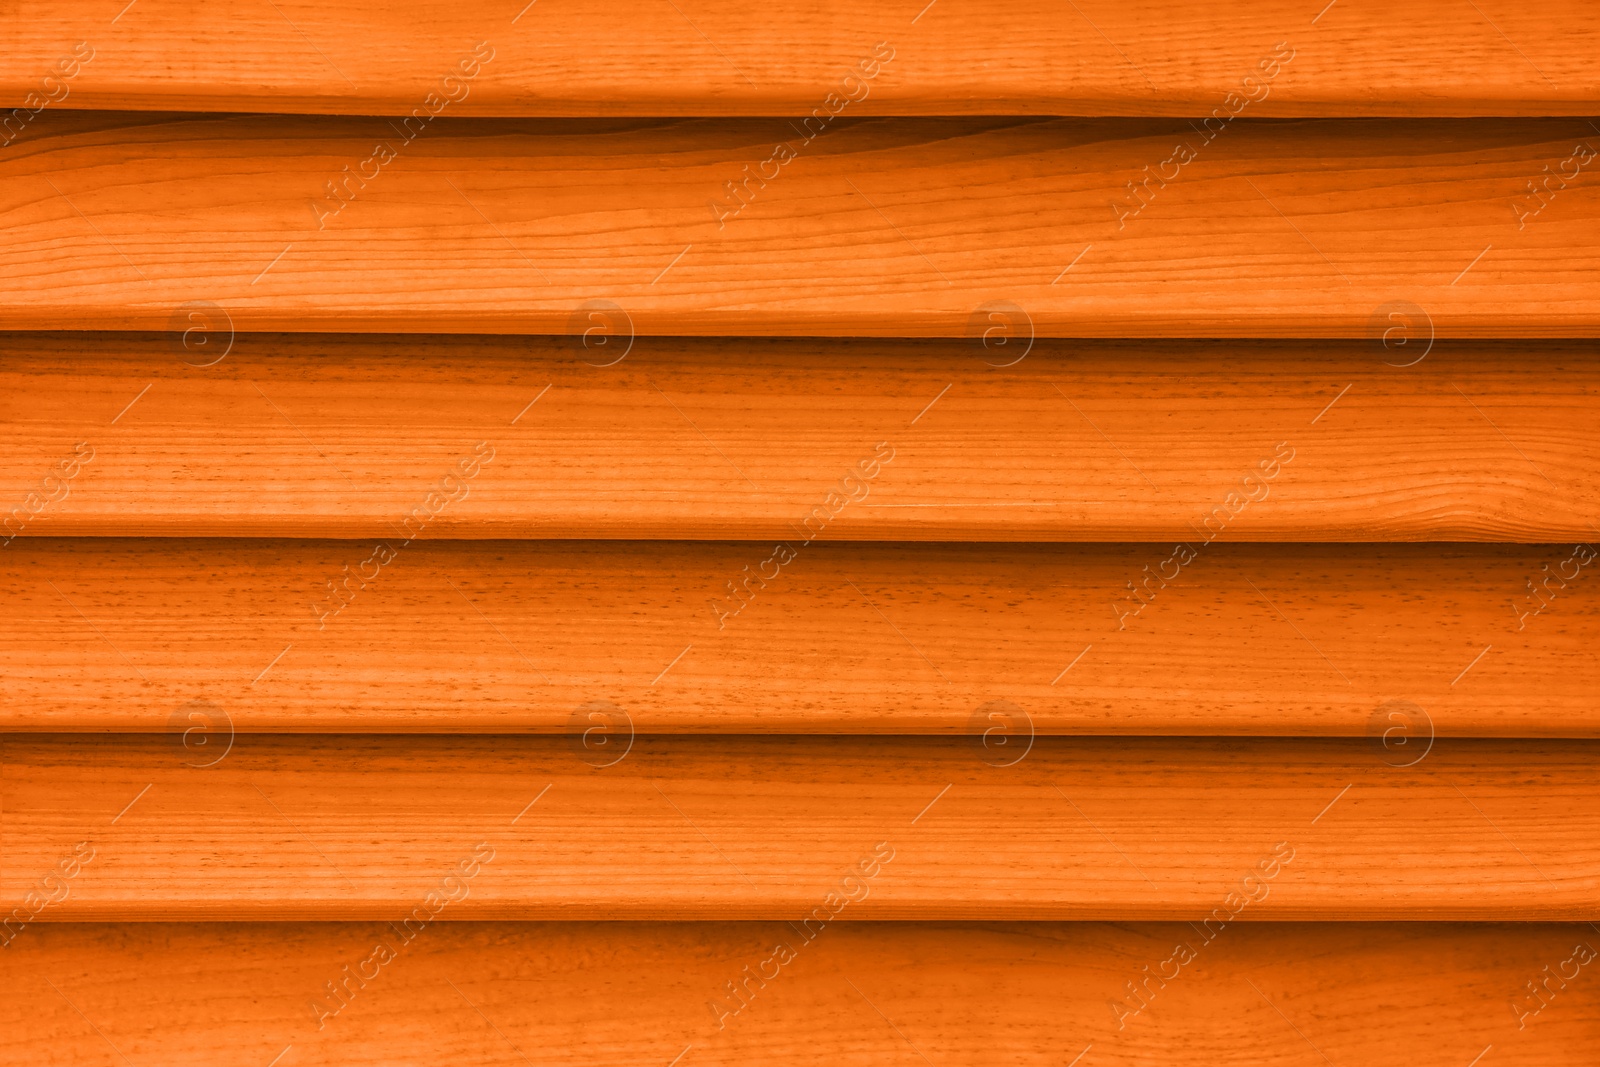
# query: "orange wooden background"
[675,533]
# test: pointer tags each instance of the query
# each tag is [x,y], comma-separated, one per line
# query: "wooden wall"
[676,532]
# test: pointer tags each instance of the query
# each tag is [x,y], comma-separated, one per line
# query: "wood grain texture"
[1260,995]
[719,57]
[913,227]
[416,623]
[329,828]
[346,436]
[514,636]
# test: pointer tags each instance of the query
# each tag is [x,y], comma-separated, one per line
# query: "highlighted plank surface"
[373,828]
[413,438]
[888,227]
[720,57]
[243,635]
[855,993]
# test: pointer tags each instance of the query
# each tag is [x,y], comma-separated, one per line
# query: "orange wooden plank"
[715,438]
[1261,995]
[513,636]
[919,227]
[711,57]
[316,827]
